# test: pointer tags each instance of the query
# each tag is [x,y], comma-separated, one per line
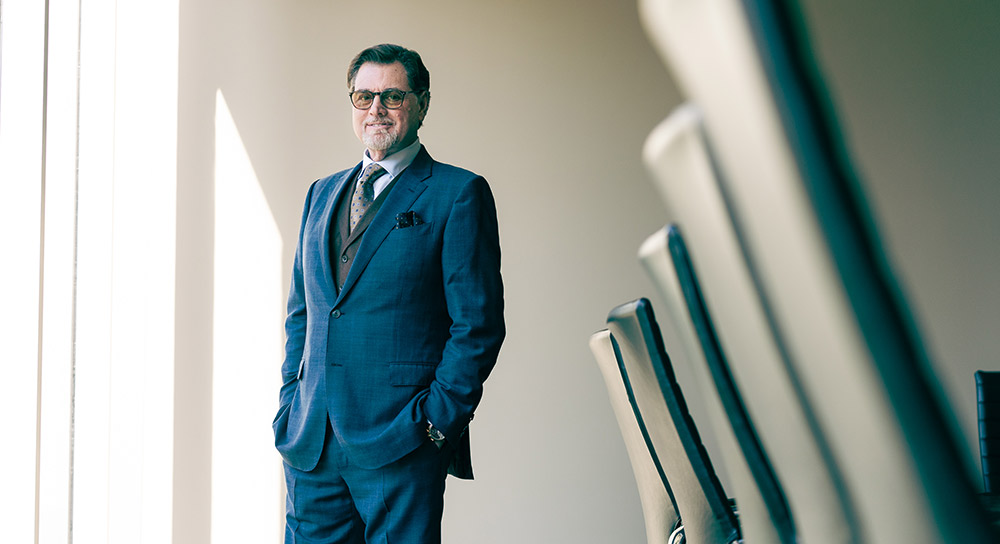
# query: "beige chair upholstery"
[673,437]
[852,352]
[658,510]
[679,161]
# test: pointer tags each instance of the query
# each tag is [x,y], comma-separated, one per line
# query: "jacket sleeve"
[296,317]
[473,288]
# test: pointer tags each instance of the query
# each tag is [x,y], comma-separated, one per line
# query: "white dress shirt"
[393,164]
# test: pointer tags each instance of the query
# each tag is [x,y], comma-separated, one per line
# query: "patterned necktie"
[364,193]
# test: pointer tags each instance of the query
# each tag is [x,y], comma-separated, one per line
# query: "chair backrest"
[658,510]
[694,322]
[820,267]
[679,157]
[988,407]
[703,506]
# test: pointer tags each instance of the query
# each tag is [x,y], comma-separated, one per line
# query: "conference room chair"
[988,410]
[826,284]
[704,509]
[658,510]
[679,158]
[764,512]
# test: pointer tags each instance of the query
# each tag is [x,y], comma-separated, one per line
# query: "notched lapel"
[338,186]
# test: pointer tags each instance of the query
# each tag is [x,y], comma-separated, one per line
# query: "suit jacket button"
[343,258]
[336,314]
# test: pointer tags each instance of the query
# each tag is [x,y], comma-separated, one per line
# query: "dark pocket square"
[407,219]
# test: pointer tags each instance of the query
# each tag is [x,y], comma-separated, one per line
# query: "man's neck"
[396,162]
[381,154]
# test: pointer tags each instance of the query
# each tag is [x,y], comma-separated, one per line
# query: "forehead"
[376,77]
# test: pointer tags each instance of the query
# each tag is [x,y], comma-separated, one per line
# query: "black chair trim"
[642,311]
[746,435]
[885,321]
[642,424]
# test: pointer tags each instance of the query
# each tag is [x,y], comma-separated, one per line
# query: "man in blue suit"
[395,319]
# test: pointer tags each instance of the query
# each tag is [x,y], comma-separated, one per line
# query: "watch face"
[435,434]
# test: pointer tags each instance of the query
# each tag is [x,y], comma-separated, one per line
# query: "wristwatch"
[434,434]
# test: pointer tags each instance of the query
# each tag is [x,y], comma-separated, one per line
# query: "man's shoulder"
[335,177]
[453,183]
[451,171]
[324,186]
[447,174]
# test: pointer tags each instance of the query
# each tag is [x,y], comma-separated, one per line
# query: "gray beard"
[381,141]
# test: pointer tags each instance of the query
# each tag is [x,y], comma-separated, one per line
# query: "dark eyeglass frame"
[356,100]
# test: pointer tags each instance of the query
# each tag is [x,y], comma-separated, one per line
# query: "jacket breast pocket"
[411,374]
[412,230]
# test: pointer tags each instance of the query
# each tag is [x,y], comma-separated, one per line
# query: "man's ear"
[425,103]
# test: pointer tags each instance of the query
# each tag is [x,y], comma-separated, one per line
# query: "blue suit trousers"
[340,503]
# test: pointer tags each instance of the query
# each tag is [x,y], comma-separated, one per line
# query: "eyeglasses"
[390,98]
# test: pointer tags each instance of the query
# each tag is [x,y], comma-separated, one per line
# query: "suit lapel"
[329,210]
[366,220]
[406,190]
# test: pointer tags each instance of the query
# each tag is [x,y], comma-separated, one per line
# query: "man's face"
[385,131]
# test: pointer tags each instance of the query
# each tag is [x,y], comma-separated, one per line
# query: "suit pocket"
[280,423]
[411,374]
[411,233]
[418,229]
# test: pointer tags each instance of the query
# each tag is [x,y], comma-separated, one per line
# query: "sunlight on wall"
[20,207]
[246,470]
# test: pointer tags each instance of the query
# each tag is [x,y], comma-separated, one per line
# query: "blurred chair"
[818,263]
[658,509]
[703,507]
[679,158]
[764,512]
[988,407]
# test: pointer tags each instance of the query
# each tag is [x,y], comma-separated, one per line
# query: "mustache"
[379,120]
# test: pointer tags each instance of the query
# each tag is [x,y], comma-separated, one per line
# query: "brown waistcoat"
[344,244]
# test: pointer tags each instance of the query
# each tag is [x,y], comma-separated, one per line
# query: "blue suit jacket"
[412,335]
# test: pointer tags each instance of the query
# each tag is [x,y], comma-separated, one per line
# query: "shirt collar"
[397,162]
